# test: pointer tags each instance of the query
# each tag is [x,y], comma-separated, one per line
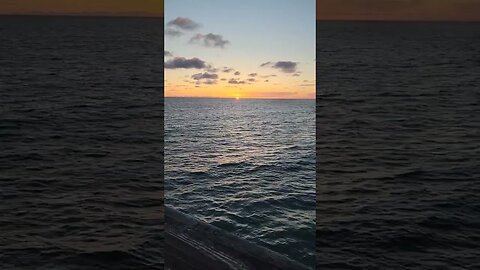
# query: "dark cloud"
[234,81]
[205,75]
[268,76]
[266,80]
[296,74]
[252,75]
[251,79]
[167,54]
[182,62]
[210,40]
[227,69]
[173,33]
[184,24]
[223,79]
[237,73]
[284,66]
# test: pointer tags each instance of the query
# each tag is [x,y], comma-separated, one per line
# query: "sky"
[85,7]
[240,49]
[399,10]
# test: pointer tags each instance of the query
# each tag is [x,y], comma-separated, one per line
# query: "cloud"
[227,69]
[205,75]
[284,66]
[252,75]
[212,69]
[182,62]
[237,73]
[167,54]
[173,33]
[184,24]
[234,81]
[210,82]
[210,40]
[251,79]
[268,76]
[296,74]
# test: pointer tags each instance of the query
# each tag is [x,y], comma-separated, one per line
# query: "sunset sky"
[246,49]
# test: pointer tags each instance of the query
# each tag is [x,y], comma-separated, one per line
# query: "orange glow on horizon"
[236,92]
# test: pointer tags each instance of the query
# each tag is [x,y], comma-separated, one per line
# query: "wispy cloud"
[252,75]
[212,69]
[210,40]
[227,70]
[236,73]
[182,62]
[173,32]
[210,82]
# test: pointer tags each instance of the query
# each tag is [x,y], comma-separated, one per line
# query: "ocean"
[246,166]
[398,145]
[81,139]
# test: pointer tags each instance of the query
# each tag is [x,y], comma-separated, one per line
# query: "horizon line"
[400,20]
[242,98]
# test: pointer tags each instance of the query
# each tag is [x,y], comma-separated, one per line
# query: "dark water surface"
[246,166]
[398,145]
[81,143]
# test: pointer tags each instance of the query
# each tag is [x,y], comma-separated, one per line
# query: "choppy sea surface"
[398,145]
[246,166]
[81,143]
